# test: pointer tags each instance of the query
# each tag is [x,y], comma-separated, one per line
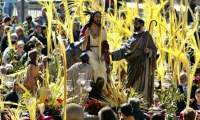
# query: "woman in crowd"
[196,103]
[14,22]
[20,50]
[107,113]
[126,110]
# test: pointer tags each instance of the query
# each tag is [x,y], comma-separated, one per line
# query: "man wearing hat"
[136,112]
[80,67]
[140,53]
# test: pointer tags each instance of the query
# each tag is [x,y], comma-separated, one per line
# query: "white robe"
[99,67]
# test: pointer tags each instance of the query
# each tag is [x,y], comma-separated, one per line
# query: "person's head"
[44,29]
[84,57]
[75,26]
[29,19]
[157,116]
[7,21]
[20,46]
[7,29]
[189,114]
[16,86]
[194,2]
[38,46]
[126,110]
[43,10]
[14,36]
[183,78]
[99,83]
[106,113]
[38,20]
[19,31]
[135,103]
[31,31]
[45,60]
[73,112]
[1,29]
[33,55]
[9,68]
[14,39]
[2,69]
[61,6]
[197,72]
[138,24]
[156,100]
[95,17]
[14,19]
[38,29]
[197,95]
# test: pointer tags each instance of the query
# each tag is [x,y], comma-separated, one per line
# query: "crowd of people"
[25,46]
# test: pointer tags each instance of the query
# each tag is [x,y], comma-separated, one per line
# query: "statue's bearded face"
[137,26]
[97,18]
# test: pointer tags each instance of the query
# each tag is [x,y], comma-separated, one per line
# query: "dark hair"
[30,31]
[29,17]
[37,44]
[44,27]
[197,91]
[13,19]
[197,71]
[29,46]
[140,20]
[157,116]
[107,113]
[126,109]
[84,57]
[7,19]
[38,26]
[33,55]
[135,102]
[99,84]
[91,20]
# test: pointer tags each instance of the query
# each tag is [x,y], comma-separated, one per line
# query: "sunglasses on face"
[16,84]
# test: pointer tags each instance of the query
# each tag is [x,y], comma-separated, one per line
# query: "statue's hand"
[146,50]
[87,33]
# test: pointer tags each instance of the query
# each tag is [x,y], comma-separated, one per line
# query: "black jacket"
[12,97]
[40,37]
[182,104]
[139,114]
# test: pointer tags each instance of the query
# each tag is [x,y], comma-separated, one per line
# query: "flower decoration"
[52,100]
[92,107]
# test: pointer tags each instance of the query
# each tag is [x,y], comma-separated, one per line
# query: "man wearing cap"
[80,67]
[140,53]
[136,112]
